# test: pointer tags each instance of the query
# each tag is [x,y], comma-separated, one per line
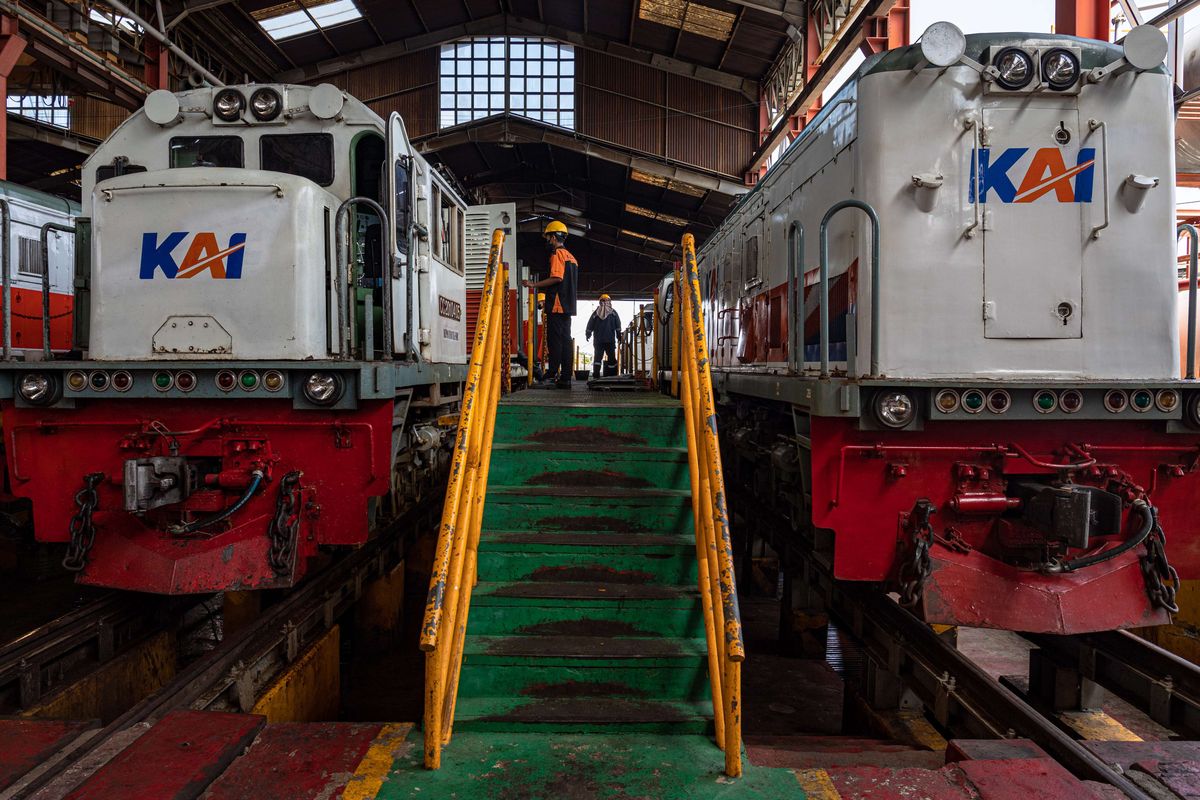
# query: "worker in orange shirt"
[560,301]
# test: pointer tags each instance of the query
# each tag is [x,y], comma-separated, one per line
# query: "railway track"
[902,653]
[233,675]
[68,648]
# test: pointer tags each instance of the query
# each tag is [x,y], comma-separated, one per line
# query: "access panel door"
[1034,180]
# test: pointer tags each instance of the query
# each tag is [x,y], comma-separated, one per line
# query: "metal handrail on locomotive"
[269,346]
[944,330]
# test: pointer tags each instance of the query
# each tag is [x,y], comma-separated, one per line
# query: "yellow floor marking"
[817,784]
[377,763]
[1096,726]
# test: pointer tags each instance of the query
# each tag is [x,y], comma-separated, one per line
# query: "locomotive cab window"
[207,151]
[309,155]
[449,226]
[403,204]
[750,266]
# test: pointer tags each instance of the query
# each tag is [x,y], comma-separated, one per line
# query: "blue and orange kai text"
[203,255]
[1045,175]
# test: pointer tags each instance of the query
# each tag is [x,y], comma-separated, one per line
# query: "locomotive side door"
[1032,180]
[401,205]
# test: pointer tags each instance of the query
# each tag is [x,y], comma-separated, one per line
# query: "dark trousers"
[558,343]
[608,349]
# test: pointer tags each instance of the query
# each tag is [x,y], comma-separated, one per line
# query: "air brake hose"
[1151,517]
[258,479]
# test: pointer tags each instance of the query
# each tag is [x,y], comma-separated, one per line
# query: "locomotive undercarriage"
[1060,539]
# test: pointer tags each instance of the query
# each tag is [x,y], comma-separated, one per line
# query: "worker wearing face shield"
[605,326]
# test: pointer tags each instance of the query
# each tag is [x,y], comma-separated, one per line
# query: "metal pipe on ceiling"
[154,33]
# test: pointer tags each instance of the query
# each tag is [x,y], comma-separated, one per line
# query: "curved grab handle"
[1193,258]
[824,285]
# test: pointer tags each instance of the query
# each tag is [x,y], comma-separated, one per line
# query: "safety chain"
[83,533]
[40,317]
[1162,581]
[285,525]
[914,572]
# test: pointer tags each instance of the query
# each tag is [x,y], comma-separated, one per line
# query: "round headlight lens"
[228,105]
[185,381]
[999,401]
[1115,400]
[323,388]
[249,380]
[1071,401]
[1167,400]
[98,381]
[122,381]
[1015,67]
[1192,410]
[946,401]
[38,389]
[1060,69]
[163,381]
[265,104]
[895,409]
[1045,401]
[226,380]
[1141,400]
[76,380]
[273,380]
[972,401]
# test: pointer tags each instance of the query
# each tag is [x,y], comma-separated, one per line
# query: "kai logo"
[1008,176]
[203,254]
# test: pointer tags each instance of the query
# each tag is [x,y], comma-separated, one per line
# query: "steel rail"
[960,694]
[230,677]
[1140,672]
[951,684]
[52,655]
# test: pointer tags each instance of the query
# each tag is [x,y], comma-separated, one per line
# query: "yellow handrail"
[714,550]
[676,339]
[462,515]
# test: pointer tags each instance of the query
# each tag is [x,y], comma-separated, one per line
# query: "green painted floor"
[531,766]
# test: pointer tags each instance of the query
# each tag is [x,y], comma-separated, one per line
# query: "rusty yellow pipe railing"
[444,626]
[531,334]
[676,338]
[714,550]
[654,344]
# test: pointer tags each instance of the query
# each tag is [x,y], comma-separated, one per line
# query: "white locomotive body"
[978,396]
[271,339]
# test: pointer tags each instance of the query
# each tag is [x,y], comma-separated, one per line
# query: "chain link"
[914,571]
[285,526]
[83,533]
[1162,581]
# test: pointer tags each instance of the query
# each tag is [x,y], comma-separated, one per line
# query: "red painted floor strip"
[25,743]
[298,761]
[175,760]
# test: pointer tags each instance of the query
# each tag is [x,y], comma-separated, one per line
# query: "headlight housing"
[39,389]
[324,388]
[228,105]
[266,104]
[1060,69]
[895,409]
[1015,67]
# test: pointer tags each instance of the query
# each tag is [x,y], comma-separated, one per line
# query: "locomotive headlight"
[1191,414]
[265,104]
[1060,69]
[894,409]
[323,388]
[1015,67]
[38,389]
[228,105]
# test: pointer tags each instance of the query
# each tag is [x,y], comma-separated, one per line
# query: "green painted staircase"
[586,616]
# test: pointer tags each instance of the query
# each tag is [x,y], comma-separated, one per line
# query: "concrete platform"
[218,756]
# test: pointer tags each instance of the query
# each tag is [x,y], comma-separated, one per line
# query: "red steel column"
[1090,19]
[12,45]
[156,73]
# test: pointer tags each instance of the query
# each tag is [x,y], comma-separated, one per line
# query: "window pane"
[516,68]
[206,151]
[518,102]
[309,155]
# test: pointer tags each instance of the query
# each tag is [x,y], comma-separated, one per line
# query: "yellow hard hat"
[555,227]
[541,296]
[605,297]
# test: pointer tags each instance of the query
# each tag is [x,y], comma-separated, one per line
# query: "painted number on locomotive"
[203,254]
[998,175]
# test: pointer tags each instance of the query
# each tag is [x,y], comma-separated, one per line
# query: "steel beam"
[791,11]
[507,24]
[12,45]
[509,128]
[837,50]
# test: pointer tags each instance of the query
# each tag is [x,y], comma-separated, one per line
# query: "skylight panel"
[692,17]
[298,17]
